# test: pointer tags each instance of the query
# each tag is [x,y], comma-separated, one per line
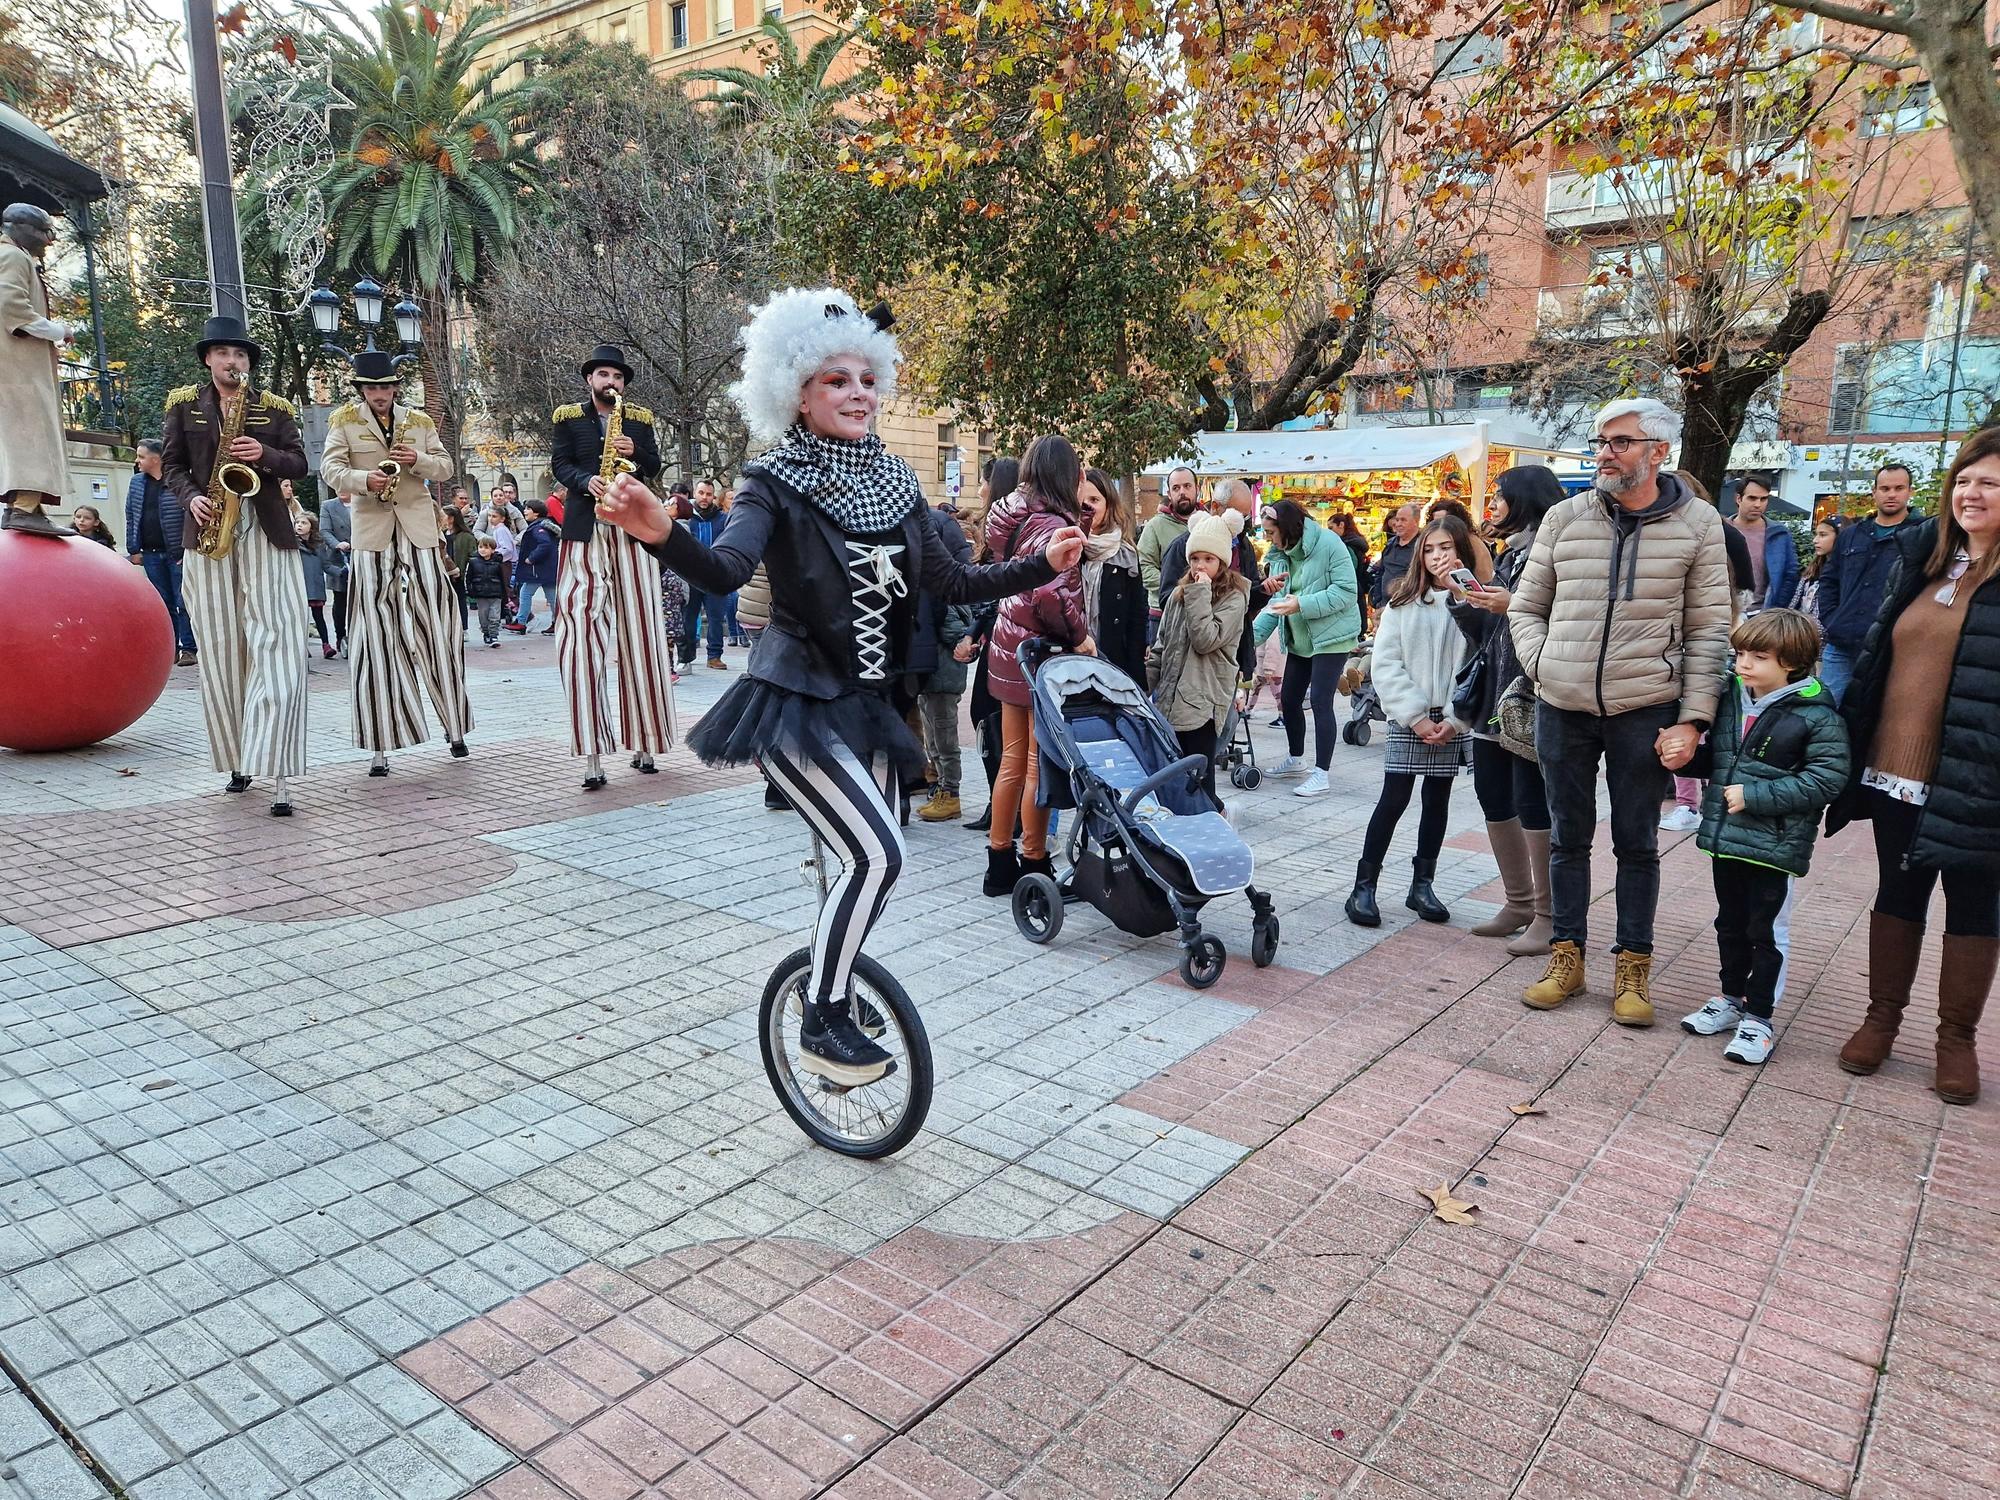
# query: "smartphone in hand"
[1463,579]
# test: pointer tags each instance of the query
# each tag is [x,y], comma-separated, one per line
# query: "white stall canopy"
[1346,450]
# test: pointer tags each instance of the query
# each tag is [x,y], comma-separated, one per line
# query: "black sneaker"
[834,1048]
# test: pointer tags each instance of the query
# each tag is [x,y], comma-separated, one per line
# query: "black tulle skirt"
[754,717]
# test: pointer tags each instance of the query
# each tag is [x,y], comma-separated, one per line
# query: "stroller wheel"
[1202,964]
[1362,731]
[1236,776]
[1348,729]
[1038,908]
[1264,942]
[1250,776]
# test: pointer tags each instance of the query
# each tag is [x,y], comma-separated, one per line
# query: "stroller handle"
[1187,765]
[1033,651]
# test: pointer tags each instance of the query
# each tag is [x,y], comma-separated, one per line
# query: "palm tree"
[428,187]
[791,101]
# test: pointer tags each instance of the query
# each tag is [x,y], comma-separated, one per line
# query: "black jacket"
[1121,619]
[576,454]
[485,577]
[1173,563]
[1489,634]
[808,648]
[1959,826]
[1389,567]
[1855,578]
[928,649]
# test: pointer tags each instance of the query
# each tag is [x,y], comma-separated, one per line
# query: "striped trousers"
[403,637]
[249,613]
[611,583]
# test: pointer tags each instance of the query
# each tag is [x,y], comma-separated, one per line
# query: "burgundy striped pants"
[609,587]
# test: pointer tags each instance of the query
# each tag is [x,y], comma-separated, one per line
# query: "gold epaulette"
[420,419]
[181,394]
[564,413]
[638,414]
[277,403]
[351,412]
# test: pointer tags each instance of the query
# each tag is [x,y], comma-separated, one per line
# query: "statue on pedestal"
[33,468]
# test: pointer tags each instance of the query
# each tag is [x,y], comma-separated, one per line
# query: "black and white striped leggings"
[852,808]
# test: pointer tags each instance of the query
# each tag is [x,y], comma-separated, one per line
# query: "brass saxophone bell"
[390,467]
[624,466]
[241,478]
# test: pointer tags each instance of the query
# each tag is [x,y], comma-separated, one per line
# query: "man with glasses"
[1621,620]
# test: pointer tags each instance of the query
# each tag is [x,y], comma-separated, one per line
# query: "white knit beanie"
[1208,534]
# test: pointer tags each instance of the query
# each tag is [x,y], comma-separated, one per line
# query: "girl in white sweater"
[1418,651]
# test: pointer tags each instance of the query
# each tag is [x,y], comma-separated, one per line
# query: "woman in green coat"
[1311,572]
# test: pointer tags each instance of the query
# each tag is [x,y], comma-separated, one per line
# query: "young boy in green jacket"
[1776,756]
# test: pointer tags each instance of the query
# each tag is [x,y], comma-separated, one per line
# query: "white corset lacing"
[873,597]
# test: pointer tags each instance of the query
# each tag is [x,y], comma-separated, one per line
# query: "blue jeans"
[163,571]
[1836,669]
[1569,746]
[698,605]
[525,615]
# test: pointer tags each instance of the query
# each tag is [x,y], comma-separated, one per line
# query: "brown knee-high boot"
[1964,981]
[1535,937]
[1894,945]
[1517,881]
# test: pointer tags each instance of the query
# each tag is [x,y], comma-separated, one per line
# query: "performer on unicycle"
[838,522]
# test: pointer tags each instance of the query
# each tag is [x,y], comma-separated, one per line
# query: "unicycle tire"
[875,1119]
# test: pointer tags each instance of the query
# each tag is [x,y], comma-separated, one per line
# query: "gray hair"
[1657,420]
[1227,490]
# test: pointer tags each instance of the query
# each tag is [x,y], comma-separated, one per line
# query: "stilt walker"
[34,470]
[227,445]
[402,615]
[607,582]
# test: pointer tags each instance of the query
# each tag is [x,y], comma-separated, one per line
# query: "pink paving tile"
[1598,1449]
[730,1282]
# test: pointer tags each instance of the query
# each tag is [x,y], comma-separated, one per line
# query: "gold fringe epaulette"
[181,394]
[277,403]
[351,412]
[420,419]
[638,414]
[564,413]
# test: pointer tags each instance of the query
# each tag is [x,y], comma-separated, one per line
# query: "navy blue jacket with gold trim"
[577,451]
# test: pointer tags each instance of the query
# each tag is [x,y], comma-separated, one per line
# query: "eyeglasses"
[1619,445]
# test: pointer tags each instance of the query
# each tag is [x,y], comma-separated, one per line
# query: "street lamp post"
[218,177]
[324,304]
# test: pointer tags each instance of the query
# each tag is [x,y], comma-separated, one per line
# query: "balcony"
[1578,201]
[1620,310]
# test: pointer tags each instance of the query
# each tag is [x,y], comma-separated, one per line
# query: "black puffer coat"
[1959,827]
[1490,636]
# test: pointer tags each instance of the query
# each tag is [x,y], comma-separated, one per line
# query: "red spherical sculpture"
[85,642]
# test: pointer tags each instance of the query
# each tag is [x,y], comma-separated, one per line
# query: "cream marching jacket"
[355,444]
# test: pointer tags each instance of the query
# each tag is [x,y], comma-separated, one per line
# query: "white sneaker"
[1313,786]
[1719,1015]
[1291,765]
[1752,1043]
[1681,820]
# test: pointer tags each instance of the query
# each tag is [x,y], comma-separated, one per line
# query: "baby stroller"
[1363,705]
[1147,847]
[1234,751]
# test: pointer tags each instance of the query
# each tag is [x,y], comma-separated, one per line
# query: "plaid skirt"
[1410,756]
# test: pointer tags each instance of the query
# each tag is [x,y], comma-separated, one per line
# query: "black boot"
[836,1049]
[1043,866]
[983,822]
[1361,908]
[1422,899]
[1002,870]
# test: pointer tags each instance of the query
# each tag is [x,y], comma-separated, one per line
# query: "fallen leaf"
[127,771]
[1444,1206]
[155,1085]
[1527,1109]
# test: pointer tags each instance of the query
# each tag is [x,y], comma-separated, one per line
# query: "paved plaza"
[419,1148]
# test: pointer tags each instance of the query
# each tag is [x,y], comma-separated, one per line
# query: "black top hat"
[373,367]
[606,354]
[227,332]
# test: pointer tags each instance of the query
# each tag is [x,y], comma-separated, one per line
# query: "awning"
[1342,451]
[34,169]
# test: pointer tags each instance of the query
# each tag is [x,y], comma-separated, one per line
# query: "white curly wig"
[791,336]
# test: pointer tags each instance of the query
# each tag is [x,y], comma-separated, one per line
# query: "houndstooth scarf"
[861,486]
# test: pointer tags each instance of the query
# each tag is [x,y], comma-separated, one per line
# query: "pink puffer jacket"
[1020,526]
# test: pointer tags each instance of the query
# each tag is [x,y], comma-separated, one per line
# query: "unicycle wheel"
[868,1120]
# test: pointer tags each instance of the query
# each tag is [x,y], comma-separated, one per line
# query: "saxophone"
[389,466]
[613,463]
[230,483]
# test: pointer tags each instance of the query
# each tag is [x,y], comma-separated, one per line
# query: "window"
[1462,56]
[621,35]
[1934,234]
[725,16]
[1898,110]
[988,441]
[680,26]
[1479,276]
[1626,262]
[1902,387]
[774,7]
[947,450]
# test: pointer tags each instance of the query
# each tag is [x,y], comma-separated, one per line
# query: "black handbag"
[1468,689]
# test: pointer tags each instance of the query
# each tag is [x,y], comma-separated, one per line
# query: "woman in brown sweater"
[1923,718]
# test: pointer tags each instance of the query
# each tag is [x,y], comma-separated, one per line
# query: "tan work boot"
[1631,996]
[1894,946]
[1538,934]
[942,807]
[1563,979]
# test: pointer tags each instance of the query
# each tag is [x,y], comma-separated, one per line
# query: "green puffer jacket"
[1320,574]
[1792,767]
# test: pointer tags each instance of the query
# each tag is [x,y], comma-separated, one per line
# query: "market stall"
[1363,471]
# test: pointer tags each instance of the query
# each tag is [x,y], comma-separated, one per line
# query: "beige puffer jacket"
[1620,610]
[753,602]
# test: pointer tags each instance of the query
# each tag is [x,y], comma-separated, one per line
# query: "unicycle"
[873,1119]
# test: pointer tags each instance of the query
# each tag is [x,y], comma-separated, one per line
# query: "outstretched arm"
[721,569]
